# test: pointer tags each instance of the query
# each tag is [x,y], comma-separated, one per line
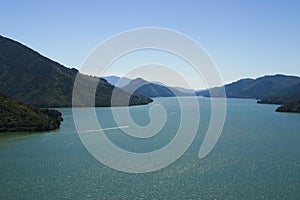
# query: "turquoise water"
[256,157]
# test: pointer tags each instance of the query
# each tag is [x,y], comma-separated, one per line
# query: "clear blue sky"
[244,38]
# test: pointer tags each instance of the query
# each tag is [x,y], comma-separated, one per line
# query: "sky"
[244,38]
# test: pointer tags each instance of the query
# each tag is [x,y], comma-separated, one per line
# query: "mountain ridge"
[148,88]
[36,80]
[258,88]
[278,89]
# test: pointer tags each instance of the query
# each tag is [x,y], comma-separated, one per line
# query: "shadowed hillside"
[278,89]
[17,116]
[276,85]
[36,80]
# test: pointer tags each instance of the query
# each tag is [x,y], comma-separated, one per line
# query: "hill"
[114,80]
[36,80]
[17,116]
[293,106]
[147,88]
[277,89]
[289,103]
[289,100]
[275,85]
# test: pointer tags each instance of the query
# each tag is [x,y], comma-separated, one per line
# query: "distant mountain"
[276,85]
[36,80]
[277,89]
[147,88]
[114,80]
[289,99]
[185,92]
[179,90]
[143,87]
[289,90]
[17,116]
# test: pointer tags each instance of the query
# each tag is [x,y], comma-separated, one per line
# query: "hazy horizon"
[164,82]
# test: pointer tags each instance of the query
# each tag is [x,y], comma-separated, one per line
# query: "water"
[256,157]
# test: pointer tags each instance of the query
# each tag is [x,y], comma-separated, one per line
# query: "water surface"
[256,157]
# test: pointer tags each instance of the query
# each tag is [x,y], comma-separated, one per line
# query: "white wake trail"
[105,129]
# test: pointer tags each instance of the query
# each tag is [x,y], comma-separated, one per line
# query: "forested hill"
[36,80]
[276,89]
[148,88]
[272,85]
[288,99]
[17,116]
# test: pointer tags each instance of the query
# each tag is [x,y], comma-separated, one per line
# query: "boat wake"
[105,129]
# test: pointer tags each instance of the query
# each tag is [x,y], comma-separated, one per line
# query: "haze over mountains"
[275,85]
[36,80]
[271,89]
[147,88]
[117,81]
[275,89]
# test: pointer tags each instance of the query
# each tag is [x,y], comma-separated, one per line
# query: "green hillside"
[36,80]
[17,116]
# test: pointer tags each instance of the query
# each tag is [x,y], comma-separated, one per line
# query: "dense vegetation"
[17,116]
[290,107]
[36,80]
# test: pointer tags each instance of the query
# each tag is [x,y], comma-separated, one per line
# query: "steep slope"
[17,116]
[36,80]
